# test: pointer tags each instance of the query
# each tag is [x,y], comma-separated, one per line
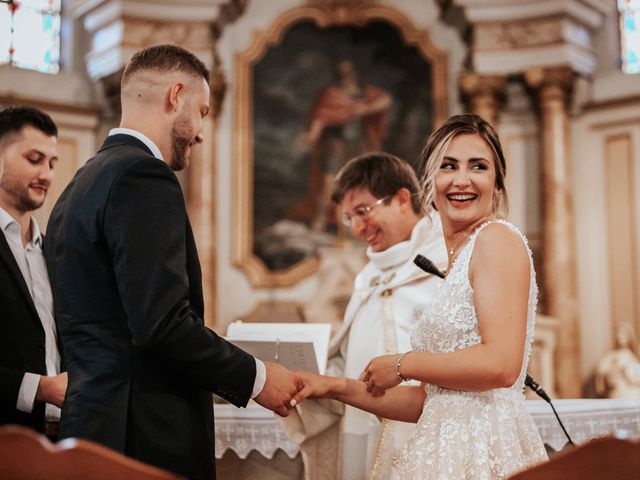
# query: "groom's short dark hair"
[166,58]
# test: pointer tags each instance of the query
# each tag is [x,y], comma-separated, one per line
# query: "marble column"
[483,94]
[553,87]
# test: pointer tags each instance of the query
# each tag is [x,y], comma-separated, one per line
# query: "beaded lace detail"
[469,435]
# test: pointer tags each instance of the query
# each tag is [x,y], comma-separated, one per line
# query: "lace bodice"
[449,323]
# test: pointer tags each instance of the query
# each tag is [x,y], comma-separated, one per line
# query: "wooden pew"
[27,455]
[605,458]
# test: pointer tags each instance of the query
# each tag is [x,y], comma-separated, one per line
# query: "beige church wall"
[605,131]
[305,297]
[76,144]
[606,180]
[61,88]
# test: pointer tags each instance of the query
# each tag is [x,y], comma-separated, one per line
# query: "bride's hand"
[380,374]
[317,386]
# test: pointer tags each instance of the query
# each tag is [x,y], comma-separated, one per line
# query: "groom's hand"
[279,388]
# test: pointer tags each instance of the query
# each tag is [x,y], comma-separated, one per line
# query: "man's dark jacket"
[128,299]
[22,341]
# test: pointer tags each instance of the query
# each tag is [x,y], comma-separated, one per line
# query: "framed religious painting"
[321,86]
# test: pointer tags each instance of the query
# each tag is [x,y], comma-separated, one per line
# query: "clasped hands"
[379,376]
[280,389]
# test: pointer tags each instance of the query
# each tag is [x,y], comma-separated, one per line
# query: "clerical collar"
[402,251]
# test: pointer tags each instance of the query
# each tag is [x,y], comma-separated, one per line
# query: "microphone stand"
[533,385]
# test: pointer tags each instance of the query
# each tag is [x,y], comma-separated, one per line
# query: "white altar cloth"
[254,428]
[585,419]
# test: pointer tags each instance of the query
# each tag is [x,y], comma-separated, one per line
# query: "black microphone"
[427,265]
[533,385]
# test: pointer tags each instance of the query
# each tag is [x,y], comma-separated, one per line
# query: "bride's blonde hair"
[436,146]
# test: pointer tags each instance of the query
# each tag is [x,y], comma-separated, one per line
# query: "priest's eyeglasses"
[361,212]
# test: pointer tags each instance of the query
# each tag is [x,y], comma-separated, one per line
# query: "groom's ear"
[174,97]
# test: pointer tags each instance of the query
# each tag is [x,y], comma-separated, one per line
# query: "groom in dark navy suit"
[127,285]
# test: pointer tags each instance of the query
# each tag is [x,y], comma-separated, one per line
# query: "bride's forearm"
[403,403]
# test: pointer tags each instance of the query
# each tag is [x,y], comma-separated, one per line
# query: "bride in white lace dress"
[472,344]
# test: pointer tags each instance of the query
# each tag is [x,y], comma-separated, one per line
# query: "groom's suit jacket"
[128,298]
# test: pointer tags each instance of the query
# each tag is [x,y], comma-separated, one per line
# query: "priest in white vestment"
[378,195]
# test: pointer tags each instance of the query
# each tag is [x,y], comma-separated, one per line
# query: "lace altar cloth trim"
[586,419]
[246,429]
[254,428]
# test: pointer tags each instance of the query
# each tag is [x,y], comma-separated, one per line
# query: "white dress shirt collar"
[6,220]
[140,136]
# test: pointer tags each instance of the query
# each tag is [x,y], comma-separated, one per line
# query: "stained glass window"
[30,34]
[630,35]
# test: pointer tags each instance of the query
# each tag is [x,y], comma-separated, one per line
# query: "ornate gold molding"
[483,94]
[553,86]
[561,77]
[344,5]
[141,33]
[323,14]
[519,34]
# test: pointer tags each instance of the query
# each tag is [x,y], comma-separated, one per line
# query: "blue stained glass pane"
[30,35]
[47,22]
[31,41]
[629,23]
[630,35]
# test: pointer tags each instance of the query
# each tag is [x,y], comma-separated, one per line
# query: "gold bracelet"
[398,374]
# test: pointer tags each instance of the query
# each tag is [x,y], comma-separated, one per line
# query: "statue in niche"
[618,373]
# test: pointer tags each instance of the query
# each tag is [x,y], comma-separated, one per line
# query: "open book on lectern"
[296,346]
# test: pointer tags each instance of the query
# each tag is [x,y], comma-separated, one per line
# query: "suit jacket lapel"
[6,256]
